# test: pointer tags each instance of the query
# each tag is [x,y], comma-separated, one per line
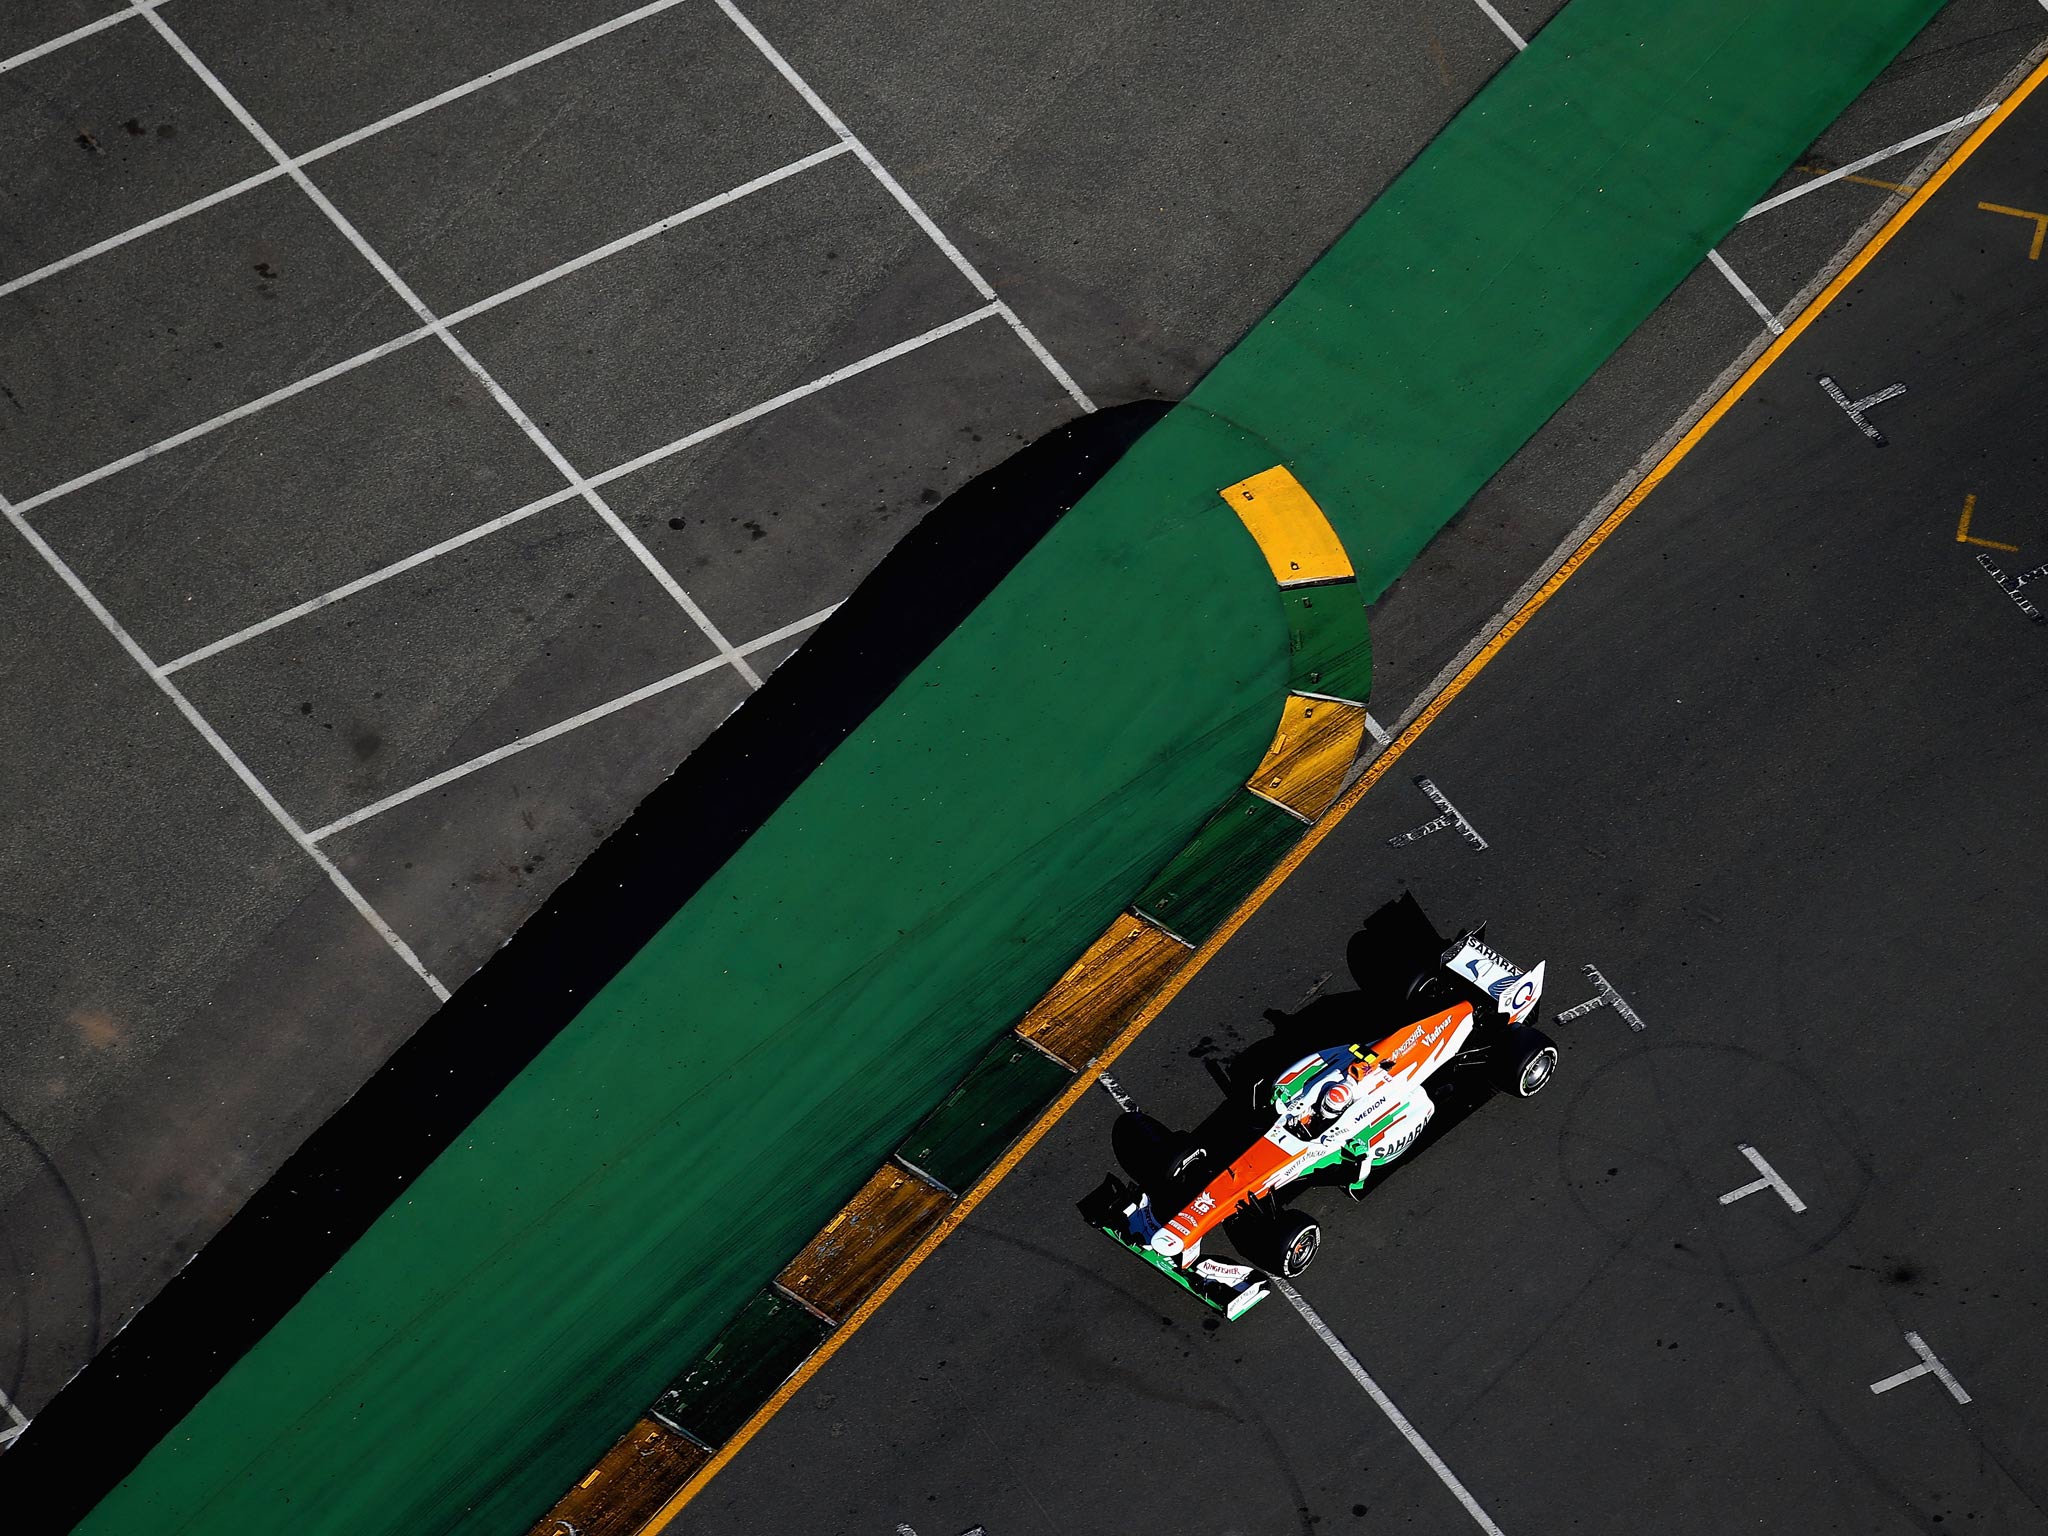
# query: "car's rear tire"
[1528,1061]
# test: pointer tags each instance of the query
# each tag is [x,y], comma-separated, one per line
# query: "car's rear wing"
[1486,970]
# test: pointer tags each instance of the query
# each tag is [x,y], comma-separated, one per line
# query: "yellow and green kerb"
[745,1373]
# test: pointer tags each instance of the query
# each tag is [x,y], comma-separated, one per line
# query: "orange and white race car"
[1353,1105]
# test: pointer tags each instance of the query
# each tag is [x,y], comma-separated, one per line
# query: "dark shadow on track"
[351,1169]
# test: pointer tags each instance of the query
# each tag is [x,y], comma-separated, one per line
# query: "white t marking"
[1928,1366]
[1770,1180]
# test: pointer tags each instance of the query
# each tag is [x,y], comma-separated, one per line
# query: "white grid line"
[563,727]
[1507,30]
[226,753]
[1875,157]
[439,327]
[148,227]
[225,418]
[382,574]
[776,402]
[332,146]
[625,242]
[490,78]
[29,55]
[569,493]
[909,204]
[293,167]
[1748,293]
[420,333]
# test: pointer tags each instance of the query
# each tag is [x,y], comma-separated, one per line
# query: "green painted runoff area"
[544,1280]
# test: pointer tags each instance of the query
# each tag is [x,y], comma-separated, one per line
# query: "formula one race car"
[1351,1104]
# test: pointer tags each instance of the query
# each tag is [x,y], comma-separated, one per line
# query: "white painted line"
[1928,1366]
[570,492]
[1386,1406]
[492,301]
[226,753]
[2011,585]
[909,204]
[1115,1090]
[420,333]
[658,227]
[17,1421]
[225,418]
[776,402]
[1875,158]
[114,242]
[398,285]
[29,54]
[1450,818]
[1376,730]
[1770,1180]
[564,727]
[1607,995]
[502,72]
[333,146]
[1515,37]
[361,583]
[1855,408]
[1900,1380]
[1748,293]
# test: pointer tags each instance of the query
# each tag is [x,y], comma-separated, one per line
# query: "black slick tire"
[1527,1060]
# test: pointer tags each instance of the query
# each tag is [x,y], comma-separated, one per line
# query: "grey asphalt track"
[1771,761]
[184,993]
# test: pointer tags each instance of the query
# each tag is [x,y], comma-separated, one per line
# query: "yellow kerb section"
[860,1245]
[1304,768]
[1292,533]
[616,1496]
[1102,991]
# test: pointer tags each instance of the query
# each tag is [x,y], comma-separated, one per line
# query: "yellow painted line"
[1963,530]
[1312,839]
[1297,540]
[2040,224]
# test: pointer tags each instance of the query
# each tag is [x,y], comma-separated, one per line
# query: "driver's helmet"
[1334,1099]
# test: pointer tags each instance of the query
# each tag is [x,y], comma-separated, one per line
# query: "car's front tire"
[1299,1240]
[1157,1158]
[1285,1243]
